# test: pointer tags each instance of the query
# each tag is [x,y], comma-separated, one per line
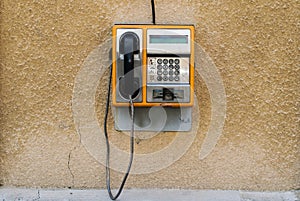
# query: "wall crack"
[70,157]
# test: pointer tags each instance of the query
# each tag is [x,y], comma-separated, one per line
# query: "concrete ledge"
[18,194]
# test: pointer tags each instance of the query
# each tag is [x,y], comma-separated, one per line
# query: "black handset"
[129,45]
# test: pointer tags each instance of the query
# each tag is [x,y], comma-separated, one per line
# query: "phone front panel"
[160,59]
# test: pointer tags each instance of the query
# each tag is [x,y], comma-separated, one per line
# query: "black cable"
[153,11]
[107,142]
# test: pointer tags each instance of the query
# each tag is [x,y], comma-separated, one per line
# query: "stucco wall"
[254,45]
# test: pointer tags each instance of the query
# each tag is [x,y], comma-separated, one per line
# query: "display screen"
[168,39]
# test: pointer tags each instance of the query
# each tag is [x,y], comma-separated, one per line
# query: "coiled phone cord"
[107,142]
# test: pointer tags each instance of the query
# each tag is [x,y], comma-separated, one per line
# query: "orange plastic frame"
[144,102]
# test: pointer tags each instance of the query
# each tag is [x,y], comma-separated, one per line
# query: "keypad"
[167,71]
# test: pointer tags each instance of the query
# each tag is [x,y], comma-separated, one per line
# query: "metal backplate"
[146,118]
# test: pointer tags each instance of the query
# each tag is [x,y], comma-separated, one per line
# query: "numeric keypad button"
[177,61]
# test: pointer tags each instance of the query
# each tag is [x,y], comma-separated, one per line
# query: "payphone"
[154,64]
[152,70]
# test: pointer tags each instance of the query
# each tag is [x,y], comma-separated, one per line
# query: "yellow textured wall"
[254,45]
